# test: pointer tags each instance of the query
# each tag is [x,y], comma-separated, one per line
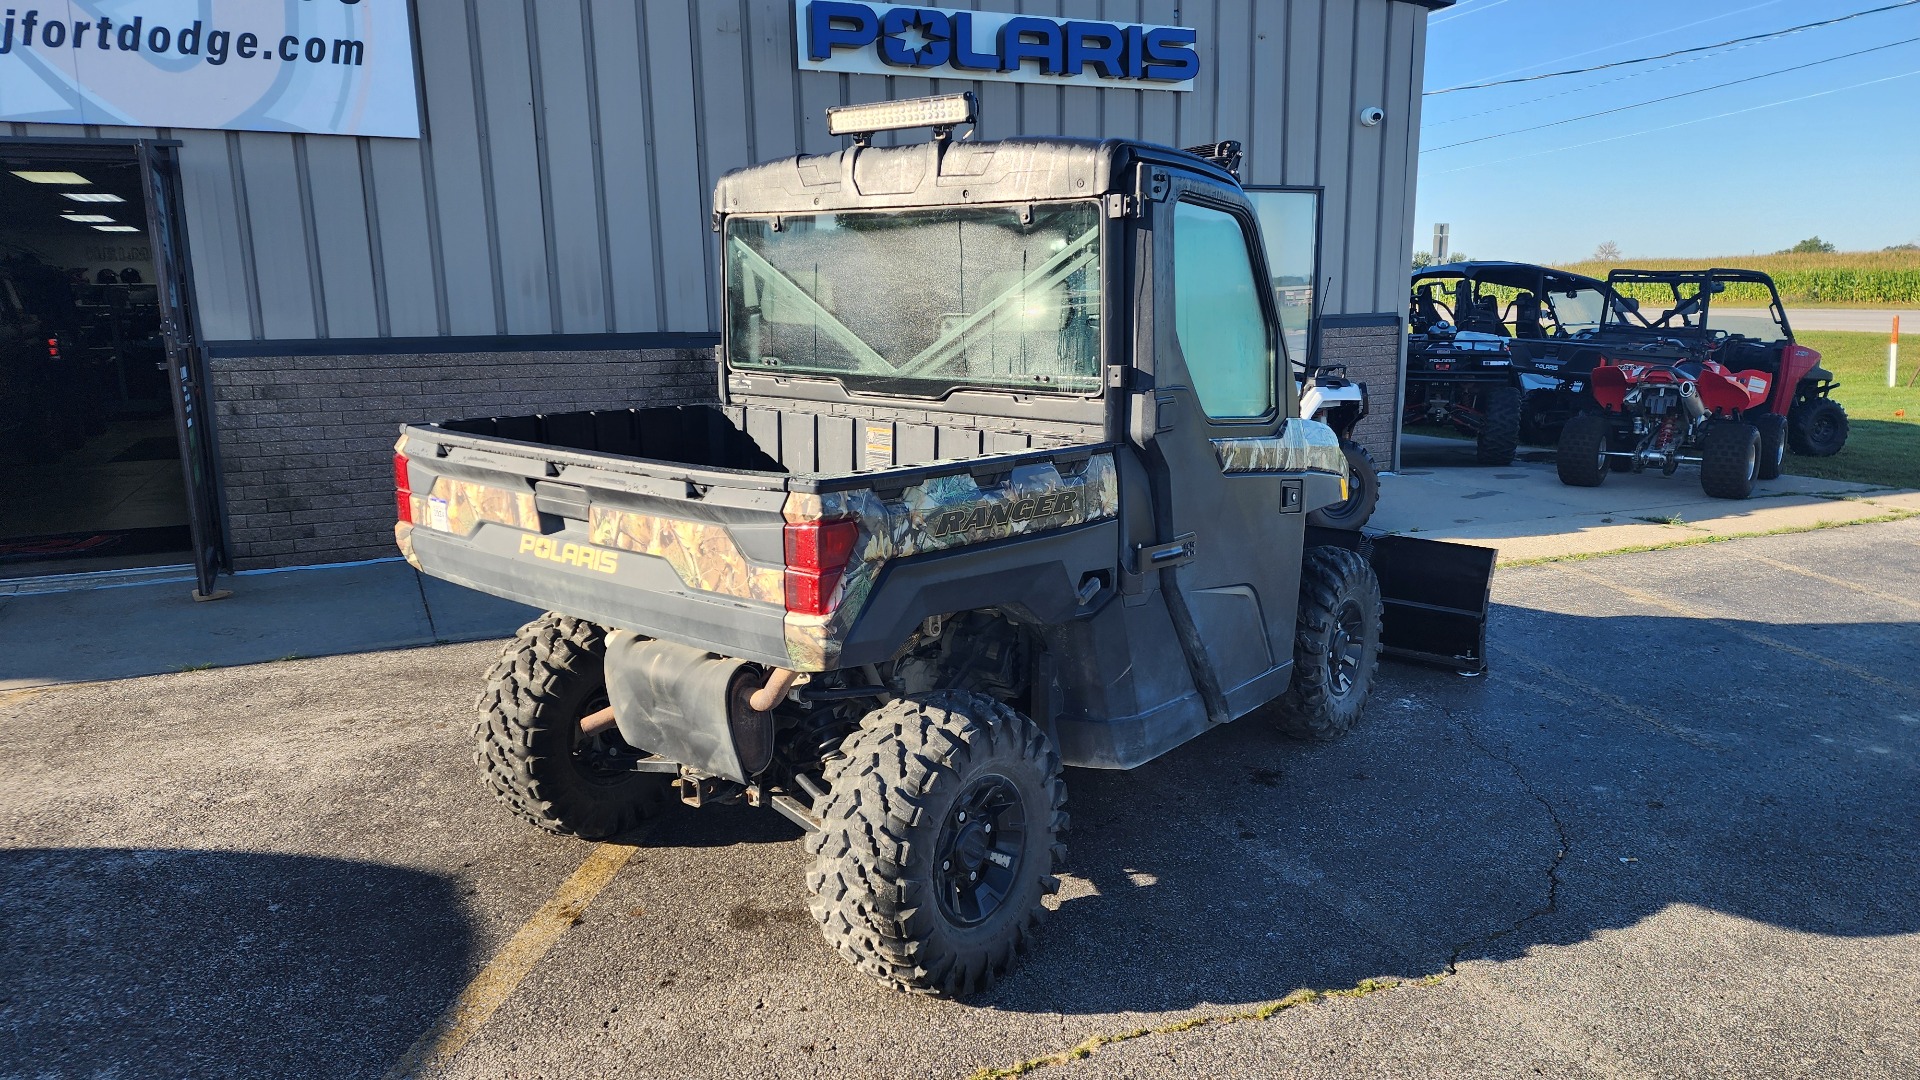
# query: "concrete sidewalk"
[1525,512]
[130,627]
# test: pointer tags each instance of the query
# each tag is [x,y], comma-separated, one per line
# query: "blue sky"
[1845,166]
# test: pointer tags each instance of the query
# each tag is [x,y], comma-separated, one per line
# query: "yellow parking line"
[503,974]
[1590,694]
[1831,580]
[1732,627]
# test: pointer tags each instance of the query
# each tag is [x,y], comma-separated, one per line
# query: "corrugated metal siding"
[572,145]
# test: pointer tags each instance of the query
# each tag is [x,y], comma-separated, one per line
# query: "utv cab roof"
[1684,276]
[947,173]
[1515,275]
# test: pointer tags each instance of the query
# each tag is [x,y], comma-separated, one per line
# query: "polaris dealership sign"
[944,43]
[329,67]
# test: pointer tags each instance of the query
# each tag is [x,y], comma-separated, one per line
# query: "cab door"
[1233,533]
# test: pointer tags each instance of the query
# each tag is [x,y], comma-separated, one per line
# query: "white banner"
[328,67]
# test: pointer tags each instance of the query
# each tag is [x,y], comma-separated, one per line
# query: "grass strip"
[1710,538]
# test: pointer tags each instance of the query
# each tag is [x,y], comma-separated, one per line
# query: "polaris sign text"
[944,43]
[326,67]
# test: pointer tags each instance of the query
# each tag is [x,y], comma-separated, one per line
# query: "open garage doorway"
[101,450]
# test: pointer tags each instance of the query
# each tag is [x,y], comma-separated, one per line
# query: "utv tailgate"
[760,565]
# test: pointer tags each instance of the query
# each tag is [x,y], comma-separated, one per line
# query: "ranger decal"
[986,515]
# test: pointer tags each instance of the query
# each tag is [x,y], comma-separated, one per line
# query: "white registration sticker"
[437,511]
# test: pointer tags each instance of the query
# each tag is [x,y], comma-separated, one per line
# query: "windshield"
[920,302]
[1582,310]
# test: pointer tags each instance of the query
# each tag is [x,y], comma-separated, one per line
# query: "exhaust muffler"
[692,706]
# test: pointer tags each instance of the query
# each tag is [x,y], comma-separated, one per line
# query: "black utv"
[1006,475]
[1464,320]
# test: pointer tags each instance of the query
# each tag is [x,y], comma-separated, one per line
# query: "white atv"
[1327,395]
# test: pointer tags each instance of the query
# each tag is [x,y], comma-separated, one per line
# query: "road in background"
[1863,321]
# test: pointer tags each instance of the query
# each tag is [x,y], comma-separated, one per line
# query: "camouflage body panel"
[703,554]
[403,539]
[459,506]
[1301,446]
[941,514]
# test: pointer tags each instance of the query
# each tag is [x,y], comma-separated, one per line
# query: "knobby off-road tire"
[527,741]
[1336,646]
[909,811]
[1499,427]
[1581,459]
[1730,459]
[1363,492]
[1773,446]
[1817,427]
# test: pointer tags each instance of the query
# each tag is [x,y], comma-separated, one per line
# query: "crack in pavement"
[1093,1044]
[1565,844]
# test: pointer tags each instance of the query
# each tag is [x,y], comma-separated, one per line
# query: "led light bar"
[942,111]
[91,196]
[117,228]
[71,179]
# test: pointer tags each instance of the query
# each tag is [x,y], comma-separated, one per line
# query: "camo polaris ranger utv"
[1005,476]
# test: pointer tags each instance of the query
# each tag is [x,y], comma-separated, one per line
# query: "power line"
[1683,123]
[1461,14]
[1676,52]
[1673,97]
[1427,123]
[1537,65]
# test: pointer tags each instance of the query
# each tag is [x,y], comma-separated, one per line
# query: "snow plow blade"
[1436,596]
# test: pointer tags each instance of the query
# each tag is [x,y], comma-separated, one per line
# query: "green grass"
[1854,279]
[1882,448]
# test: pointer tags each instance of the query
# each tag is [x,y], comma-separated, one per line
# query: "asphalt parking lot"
[1675,833]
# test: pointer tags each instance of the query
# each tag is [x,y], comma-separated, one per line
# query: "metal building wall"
[563,186]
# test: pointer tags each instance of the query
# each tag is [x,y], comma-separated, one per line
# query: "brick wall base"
[306,442]
[1372,356]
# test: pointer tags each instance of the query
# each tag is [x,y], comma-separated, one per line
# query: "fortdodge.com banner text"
[330,67]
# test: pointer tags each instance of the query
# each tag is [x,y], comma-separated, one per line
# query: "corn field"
[1840,278]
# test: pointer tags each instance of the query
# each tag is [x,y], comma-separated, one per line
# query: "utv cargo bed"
[688,522]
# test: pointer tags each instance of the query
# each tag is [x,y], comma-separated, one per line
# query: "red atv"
[1670,391]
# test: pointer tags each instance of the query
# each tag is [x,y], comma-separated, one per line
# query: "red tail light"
[403,489]
[53,347]
[817,554]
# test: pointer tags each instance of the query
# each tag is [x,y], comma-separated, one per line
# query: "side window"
[1290,224]
[1217,314]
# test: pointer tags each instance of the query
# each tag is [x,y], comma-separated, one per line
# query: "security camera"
[1372,116]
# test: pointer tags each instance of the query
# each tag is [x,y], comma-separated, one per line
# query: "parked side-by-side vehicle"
[1007,475]
[1466,324]
[1669,382]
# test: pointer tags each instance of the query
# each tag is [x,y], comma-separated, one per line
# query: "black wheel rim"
[603,756]
[1346,647]
[981,849]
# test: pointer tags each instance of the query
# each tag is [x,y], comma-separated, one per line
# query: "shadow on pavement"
[211,963]
[1245,865]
